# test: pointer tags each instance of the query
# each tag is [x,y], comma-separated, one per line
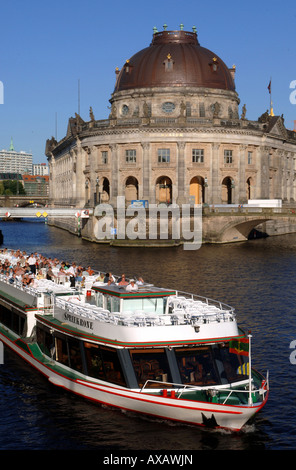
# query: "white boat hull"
[167,408]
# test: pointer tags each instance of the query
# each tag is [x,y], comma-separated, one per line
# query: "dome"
[174,59]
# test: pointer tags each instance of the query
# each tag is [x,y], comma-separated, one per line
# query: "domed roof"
[174,59]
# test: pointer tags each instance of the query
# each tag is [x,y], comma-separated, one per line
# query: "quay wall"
[216,228]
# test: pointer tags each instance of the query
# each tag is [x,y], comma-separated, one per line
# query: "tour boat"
[154,351]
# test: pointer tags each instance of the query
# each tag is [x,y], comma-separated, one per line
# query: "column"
[146,170]
[181,174]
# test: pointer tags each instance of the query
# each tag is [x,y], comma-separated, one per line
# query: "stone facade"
[173,143]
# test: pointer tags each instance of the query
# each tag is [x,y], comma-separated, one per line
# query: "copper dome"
[174,59]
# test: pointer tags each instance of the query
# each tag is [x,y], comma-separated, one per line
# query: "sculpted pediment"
[277,127]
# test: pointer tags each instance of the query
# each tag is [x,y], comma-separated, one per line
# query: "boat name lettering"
[79,321]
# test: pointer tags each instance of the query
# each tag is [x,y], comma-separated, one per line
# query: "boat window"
[12,320]
[151,365]
[5,316]
[103,363]
[112,303]
[45,341]
[61,351]
[197,366]
[100,299]
[151,305]
[75,354]
[234,367]
[209,365]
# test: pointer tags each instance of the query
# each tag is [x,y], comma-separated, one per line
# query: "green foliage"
[11,187]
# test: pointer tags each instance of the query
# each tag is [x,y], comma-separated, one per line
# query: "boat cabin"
[146,299]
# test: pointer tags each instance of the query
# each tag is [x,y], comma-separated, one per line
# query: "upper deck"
[112,313]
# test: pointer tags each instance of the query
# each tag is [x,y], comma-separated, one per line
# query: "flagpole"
[270,97]
[250,371]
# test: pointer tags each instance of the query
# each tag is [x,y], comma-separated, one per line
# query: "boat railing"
[212,392]
[206,300]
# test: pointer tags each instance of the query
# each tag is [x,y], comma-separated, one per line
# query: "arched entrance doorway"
[164,190]
[105,195]
[197,189]
[227,189]
[131,189]
[250,188]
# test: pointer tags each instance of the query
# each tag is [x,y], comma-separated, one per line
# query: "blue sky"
[48,48]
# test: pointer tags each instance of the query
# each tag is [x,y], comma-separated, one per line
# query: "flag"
[239,346]
[269,87]
[244,369]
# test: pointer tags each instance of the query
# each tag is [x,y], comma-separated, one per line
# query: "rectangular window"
[130,156]
[103,363]
[104,157]
[152,366]
[202,112]
[250,154]
[197,155]
[227,156]
[163,155]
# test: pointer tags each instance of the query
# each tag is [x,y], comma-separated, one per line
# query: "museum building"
[174,135]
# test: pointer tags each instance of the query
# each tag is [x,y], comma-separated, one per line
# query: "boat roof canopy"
[143,291]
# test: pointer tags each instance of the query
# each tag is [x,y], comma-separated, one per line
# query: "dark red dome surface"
[174,59]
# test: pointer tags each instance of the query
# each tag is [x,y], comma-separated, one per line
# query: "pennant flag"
[239,346]
[269,87]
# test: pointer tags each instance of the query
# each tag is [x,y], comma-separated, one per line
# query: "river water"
[256,277]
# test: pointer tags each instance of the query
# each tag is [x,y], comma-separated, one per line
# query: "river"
[256,277]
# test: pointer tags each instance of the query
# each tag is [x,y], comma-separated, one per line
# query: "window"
[202,112]
[163,155]
[103,363]
[227,156]
[151,365]
[104,157]
[209,365]
[197,155]
[45,341]
[250,154]
[130,156]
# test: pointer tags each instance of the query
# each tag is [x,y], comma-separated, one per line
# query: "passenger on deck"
[132,286]
[109,277]
[100,278]
[123,281]
[90,271]
[140,281]
[32,263]
[49,274]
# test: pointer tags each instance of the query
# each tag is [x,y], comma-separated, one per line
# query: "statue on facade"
[264,117]
[244,111]
[91,114]
[216,110]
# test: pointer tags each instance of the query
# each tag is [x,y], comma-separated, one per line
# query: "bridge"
[22,201]
[226,225]
[43,212]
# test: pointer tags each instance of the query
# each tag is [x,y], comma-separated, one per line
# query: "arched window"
[227,190]
[164,190]
[131,189]
[197,189]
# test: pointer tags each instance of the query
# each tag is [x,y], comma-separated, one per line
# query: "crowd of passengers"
[17,265]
